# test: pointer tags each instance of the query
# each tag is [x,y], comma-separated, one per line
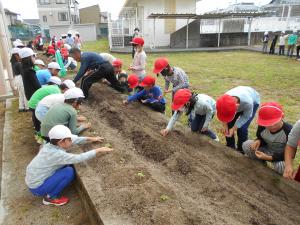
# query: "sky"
[29,10]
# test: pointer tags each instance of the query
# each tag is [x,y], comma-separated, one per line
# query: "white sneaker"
[216,139]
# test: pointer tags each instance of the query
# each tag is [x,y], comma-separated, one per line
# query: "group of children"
[54,104]
[293,43]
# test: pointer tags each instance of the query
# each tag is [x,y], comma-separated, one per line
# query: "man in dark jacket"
[93,68]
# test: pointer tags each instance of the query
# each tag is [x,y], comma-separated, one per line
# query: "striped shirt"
[179,79]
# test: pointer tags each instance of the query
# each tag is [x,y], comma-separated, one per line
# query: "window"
[61,1]
[44,18]
[44,2]
[63,16]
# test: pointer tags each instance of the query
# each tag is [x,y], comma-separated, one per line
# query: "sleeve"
[76,140]
[260,129]
[209,115]
[247,113]
[69,158]
[18,68]
[82,70]
[173,120]
[73,124]
[142,63]
[35,82]
[136,96]
[183,81]
[294,136]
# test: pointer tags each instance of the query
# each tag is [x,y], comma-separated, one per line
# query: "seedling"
[164,197]
[140,174]
[108,145]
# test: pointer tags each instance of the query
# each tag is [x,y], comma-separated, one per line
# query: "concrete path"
[18,206]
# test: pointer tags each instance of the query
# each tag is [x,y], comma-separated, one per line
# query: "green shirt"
[42,93]
[292,39]
[36,68]
[63,114]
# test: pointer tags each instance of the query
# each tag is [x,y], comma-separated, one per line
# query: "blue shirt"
[153,95]
[248,98]
[89,60]
[43,76]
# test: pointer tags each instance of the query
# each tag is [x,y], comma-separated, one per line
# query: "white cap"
[69,32]
[15,51]
[67,47]
[64,35]
[69,83]
[76,32]
[26,52]
[39,62]
[266,32]
[55,80]
[74,93]
[18,43]
[54,65]
[59,132]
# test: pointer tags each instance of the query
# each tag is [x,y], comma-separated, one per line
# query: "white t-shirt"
[53,99]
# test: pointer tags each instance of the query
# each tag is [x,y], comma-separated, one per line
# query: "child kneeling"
[50,171]
[272,135]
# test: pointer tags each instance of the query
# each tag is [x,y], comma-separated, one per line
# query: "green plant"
[164,197]
[140,174]
[108,145]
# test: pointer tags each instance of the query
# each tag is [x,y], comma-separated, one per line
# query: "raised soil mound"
[184,179]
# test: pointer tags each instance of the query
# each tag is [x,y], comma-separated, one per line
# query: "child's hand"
[261,155]
[96,139]
[87,125]
[103,150]
[125,102]
[255,145]
[164,132]
[130,68]
[81,118]
[289,172]
[144,101]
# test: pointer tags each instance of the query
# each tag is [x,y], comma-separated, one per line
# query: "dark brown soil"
[188,179]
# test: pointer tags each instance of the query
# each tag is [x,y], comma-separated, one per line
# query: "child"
[30,81]
[44,75]
[47,102]
[282,42]
[38,65]
[150,96]
[65,113]
[173,75]
[50,171]
[133,84]
[290,152]
[78,42]
[54,87]
[272,134]
[265,42]
[292,40]
[18,81]
[236,109]
[138,65]
[199,107]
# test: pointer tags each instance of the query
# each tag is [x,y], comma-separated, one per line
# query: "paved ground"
[18,206]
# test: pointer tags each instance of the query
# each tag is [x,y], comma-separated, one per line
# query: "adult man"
[93,68]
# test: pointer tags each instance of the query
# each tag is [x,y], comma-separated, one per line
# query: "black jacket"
[30,81]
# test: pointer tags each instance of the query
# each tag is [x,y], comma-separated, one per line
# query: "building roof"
[217,15]
[7,11]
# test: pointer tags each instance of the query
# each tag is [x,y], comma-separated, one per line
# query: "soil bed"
[184,179]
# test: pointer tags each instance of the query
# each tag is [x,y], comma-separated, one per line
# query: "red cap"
[133,81]
[269,114]
[148,81]
[117,63]
[181,97]
[160,64]
[226,108]
[50,46]
[51,51]
[137,41]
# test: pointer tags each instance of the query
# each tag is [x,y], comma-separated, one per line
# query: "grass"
[275,78]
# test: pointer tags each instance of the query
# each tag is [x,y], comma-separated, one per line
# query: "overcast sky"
[29,10]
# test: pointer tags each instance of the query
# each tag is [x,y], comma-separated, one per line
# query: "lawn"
[275,78]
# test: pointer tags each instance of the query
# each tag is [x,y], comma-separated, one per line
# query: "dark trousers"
[281,49]
[298,50]
[104,70]
[197,125]
[242,132]
[272,49]
[157,106]
[133,51]
[35,121]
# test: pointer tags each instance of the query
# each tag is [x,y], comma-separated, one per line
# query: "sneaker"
[216,139]
[57,201]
